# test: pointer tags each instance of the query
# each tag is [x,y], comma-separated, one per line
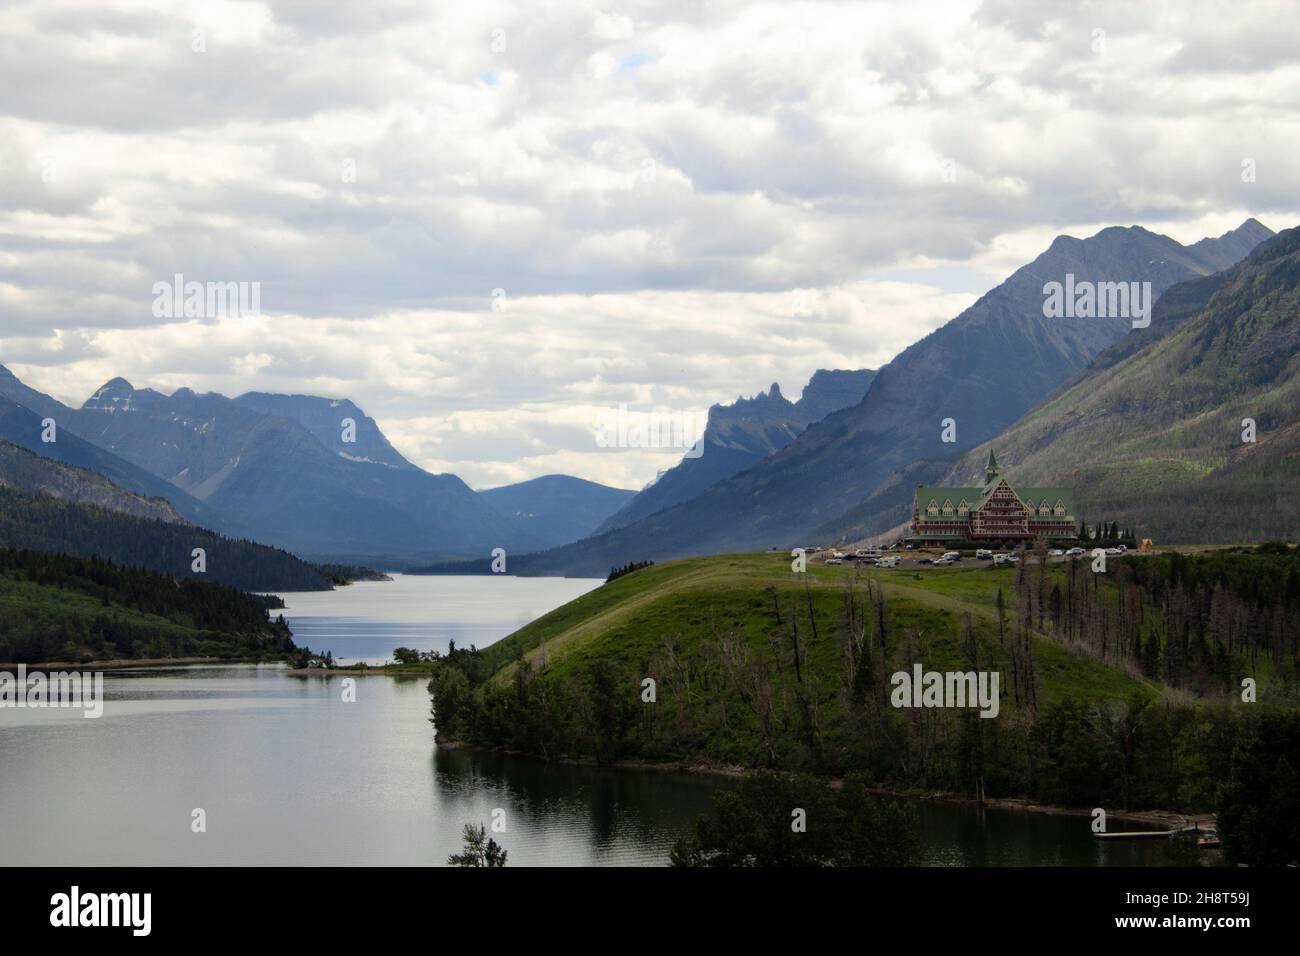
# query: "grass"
[685,603]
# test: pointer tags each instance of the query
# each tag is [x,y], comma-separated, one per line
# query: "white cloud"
[490,395]
[647,184]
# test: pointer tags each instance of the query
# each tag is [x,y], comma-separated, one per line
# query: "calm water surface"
[288,773]
[365,621]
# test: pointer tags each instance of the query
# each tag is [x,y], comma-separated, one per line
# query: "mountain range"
[317,475]
[557,507]
[983,371]
[314,475]
[1156,435]
[742,434]
[23,427]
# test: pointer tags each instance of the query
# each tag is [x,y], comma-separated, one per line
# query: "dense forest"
[1180,633]
[40,522]
[59,607]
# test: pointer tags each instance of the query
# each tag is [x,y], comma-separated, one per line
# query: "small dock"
[1137,835]
[1209,833]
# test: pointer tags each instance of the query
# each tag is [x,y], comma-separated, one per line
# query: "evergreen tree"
[480,850]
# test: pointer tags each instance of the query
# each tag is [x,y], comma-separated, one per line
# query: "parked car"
[890,562]
[839,554]
[952,555]
[925,561]
[834,560]
[983,554]
[1006,559]
[1074,552]
[1056,553]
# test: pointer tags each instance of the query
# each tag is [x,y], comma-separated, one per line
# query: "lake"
[365,621]
[286,772]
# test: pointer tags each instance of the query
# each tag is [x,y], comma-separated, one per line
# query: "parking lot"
[923,559]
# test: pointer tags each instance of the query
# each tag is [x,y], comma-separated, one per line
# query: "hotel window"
[963,508]
[1060,509]
[932,508]
[1044,508]
[947,509]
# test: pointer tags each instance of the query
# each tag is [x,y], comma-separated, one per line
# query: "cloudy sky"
[489,224]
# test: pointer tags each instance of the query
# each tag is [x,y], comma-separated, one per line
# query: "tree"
[773,819]
[479,850]
[973,721]
[450,702]
[611,709]
[1256,804]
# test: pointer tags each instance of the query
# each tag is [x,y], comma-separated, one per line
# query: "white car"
[1114,552]
[983,554]
[941,562]
[834,560]
[952,555]
[1056,553]
[840,555]
[1074,552]
[891,562]
[1006,559]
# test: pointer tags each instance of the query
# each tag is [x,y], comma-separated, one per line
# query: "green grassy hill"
[689,603]
[1120,689]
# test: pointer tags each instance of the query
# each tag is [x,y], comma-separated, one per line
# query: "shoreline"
[415,670]
[1164,818]
[121,663]
[126,663]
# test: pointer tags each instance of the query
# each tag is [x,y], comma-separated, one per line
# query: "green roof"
[924,493]
[975,496]
[1053,495]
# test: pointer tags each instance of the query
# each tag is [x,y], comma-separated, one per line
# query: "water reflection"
[288,773]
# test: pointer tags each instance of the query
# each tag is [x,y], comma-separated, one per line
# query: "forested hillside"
[1120,689]
[55,607]
[28,471]
[43,523]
